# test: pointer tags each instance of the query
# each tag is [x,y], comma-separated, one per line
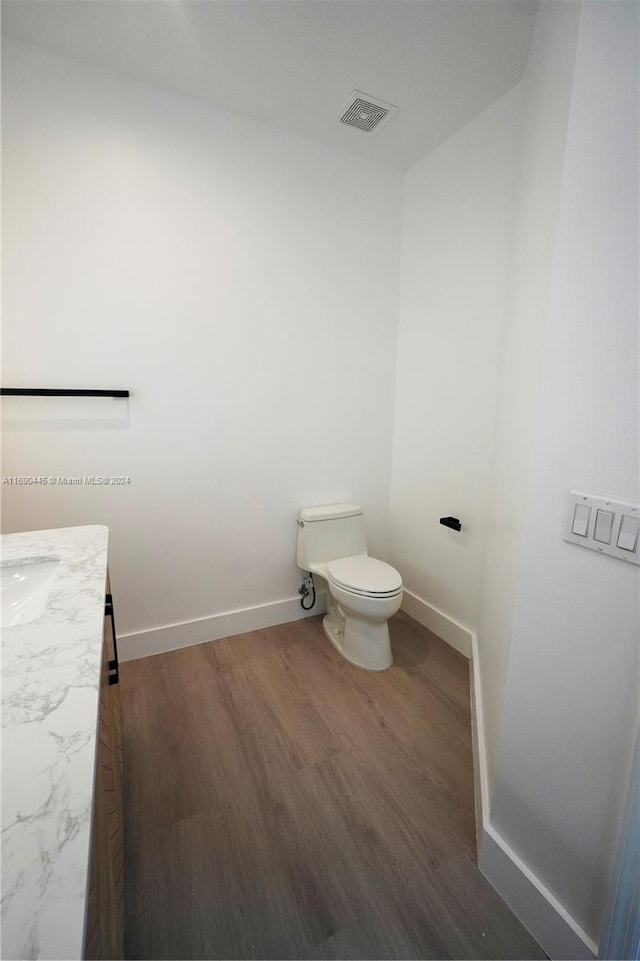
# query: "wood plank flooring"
[281,803]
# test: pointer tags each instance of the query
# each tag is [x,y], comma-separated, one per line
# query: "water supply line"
[307,587]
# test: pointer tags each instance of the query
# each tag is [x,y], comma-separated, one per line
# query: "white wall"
[571,700]
[544,111]
[517,353]
[479,220]
[455,255]
[241,282]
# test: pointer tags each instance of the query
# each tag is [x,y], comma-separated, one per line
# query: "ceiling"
[294,63]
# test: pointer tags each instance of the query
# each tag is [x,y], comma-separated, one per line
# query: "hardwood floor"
[281,803]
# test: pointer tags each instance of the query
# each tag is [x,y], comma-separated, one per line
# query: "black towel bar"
[59,392]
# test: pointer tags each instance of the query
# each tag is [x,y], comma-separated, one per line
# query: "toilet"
[363,593]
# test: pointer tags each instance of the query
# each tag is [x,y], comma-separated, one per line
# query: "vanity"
[62,847]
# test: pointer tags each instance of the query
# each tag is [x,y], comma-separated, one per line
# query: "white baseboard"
[171,637]
[530,900]
[540,912]
[480,766]
[441,624]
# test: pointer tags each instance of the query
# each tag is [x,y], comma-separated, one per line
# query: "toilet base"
[360,642]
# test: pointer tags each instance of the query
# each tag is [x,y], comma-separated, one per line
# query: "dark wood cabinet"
[105,907]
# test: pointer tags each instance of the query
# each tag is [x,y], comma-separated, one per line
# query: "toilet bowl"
[357,614]
[362,592]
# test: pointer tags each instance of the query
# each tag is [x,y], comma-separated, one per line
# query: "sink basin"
[24,588]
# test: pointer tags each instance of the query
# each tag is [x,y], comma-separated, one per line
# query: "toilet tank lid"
[328,512]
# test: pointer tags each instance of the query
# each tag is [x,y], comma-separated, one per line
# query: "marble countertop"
[50,698]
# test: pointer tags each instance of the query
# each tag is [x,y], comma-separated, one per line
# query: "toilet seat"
[365,576]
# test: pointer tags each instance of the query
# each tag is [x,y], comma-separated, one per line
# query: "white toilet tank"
[328,532]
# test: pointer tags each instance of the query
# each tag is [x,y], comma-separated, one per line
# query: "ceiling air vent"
[365,113]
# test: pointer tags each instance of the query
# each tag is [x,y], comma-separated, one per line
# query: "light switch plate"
[618,508]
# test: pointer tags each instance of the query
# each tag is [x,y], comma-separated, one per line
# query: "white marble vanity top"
[50,696]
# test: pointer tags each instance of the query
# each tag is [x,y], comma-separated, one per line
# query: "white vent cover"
[365,112]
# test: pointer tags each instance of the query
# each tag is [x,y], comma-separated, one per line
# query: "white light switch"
[604,523]
[628,536]
[580,523]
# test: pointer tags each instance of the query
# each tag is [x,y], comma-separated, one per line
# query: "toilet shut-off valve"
[307,588]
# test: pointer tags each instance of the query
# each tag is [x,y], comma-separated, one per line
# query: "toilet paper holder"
[451,522]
